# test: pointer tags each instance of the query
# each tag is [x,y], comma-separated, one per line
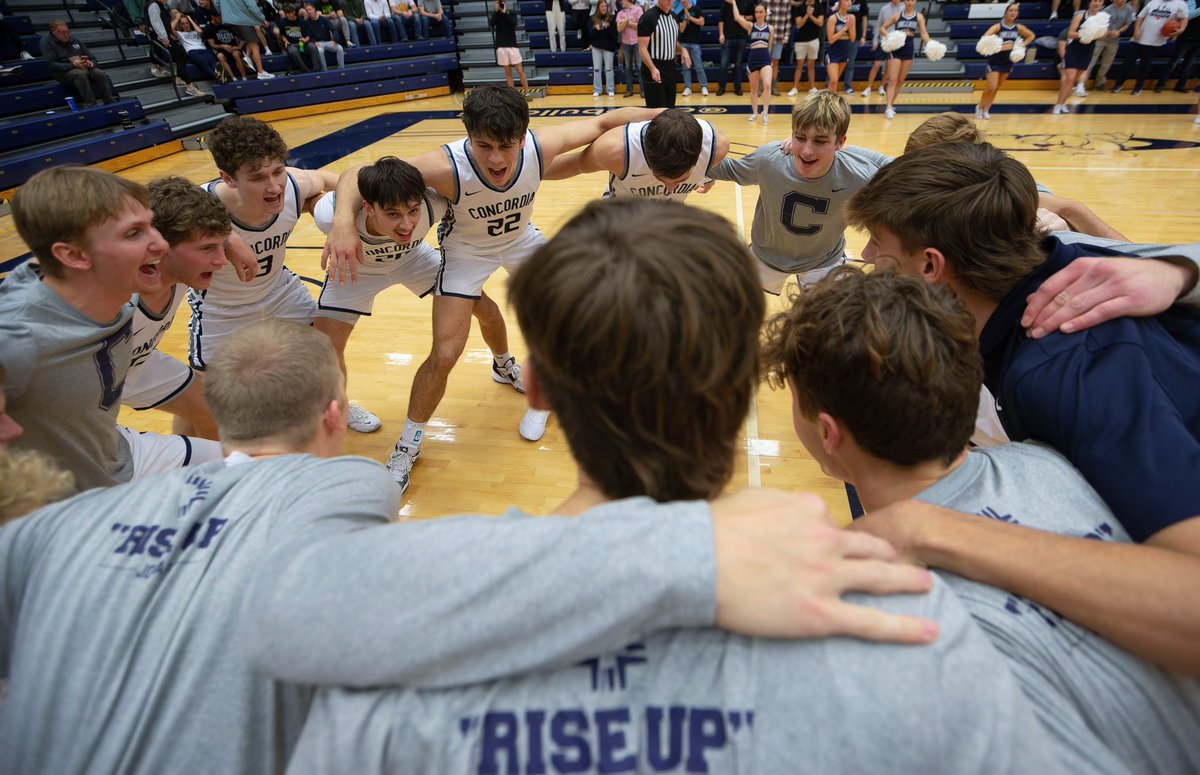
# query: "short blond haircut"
[62,203]
[824,111]
[271,381]
[944,128]
[28,481]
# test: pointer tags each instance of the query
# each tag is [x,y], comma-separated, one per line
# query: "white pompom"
[988,45]
[1093,28]
[893,41]
[1017,53]
[935,50]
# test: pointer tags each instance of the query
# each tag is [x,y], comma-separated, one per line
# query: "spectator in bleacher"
[404,12]
[689,37]
[225,44]
[580,12]
[603,37]
[1104,50]
[72,64]
[433,14]
[504,32]
[318,37]
[202,13]
[888,12]
[862,17]
[290,38]
[556,24]
[244,17]
[1187,46]
[627,21]
[732,38]
[1148,40]
[335,13]
[8,33]
[266,30]
[1063,10]
[167,44]
[379,12]
[356,16]
[807,23]
[197,53]
[779,19]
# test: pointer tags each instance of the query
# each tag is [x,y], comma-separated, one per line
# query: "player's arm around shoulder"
[310,183]
[557,139]
[606,154]
[743,170]
[720,151]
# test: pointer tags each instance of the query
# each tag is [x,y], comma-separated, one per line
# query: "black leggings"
[582,19]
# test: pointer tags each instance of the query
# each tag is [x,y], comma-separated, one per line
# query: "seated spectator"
[404,11]
[356,17]
[290,37]
[433,16]
[245,18]
[380,15]
[197,53]
[203,13]
[318,37]
[335,13]
[72,64]
[14,40]
[225,45]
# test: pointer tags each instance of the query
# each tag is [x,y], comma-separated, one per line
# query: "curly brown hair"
[183,210]
[893,357]
[241,141]
[642,318]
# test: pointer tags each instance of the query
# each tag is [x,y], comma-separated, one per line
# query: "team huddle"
[1010,391]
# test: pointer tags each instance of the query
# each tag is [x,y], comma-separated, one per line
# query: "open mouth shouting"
[498,175]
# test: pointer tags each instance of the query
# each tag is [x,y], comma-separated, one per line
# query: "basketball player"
[667,157]
[658,418]
[490,179]
[799,228]
[65,324]
[264,198]
[195,226]
[885,372]
[1118,400]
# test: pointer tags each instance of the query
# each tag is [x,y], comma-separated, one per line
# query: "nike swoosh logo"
[639,175]
[472,193]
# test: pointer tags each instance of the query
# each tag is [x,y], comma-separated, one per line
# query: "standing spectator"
[508,54]
[808,22]
[861,14]
[627,21]
[732,38]
[604,47]
[1120,19]
[72,64]
[225,44]
[580,11]
[689,38]
[1187,46]
[8,33]
[658,45]
[1063,10]
[379,12]
[318,37]
[556,23]
[407,19]
[356,16]
[291,37]
[243,16]
[198,53]
[432,14]
[1148,39]
[779,19]
[158,22]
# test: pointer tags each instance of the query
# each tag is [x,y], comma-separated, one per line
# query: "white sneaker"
[362,421]
[596,94]
[400,464]
[704,91]
[764,115]
[978,115]
[987,115]
[883,91]
[265,76]
[850,91]
[752,118]
[889,113]
[611,93]
[793,92]
[1080,91]
[26,56]
[1197,121]
[533,424]
[509,374]
[687,92]
[866,93]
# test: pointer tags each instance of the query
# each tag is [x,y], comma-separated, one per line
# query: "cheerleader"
[761,38]
[999,64]
[912,23]
[1077,57]
[840,34]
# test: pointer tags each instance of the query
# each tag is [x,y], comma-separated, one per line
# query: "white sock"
[501,358]
[412,434]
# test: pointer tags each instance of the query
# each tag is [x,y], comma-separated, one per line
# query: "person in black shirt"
[689,38]
[733,43]
[72,64]
[318,37]
[658,44]
[508,54]
[603,40]
[225,43]
[808,21]
[288,35]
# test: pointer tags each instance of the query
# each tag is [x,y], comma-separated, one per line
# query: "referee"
[658,43]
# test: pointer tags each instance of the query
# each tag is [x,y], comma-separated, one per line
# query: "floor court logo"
[1086,144]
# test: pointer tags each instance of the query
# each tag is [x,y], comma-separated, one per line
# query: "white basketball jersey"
[483,219]
[268,242]
[383,253]
[148,327]
[638,180]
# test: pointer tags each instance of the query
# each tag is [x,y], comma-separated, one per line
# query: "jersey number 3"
[504,225]
[794,201]
[264,265]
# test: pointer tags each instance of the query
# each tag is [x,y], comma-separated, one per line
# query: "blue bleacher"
[63,123]
[318,96]
[18,168]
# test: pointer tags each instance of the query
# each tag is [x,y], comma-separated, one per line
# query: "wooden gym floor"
[1135,161]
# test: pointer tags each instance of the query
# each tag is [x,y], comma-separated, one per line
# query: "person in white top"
[1149,36]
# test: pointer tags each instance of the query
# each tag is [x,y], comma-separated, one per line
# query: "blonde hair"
[944,128]
[28,481]
[62,203]
[822,110]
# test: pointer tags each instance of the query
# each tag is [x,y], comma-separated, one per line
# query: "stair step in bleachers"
[42,128]
[377,71]
[295,99]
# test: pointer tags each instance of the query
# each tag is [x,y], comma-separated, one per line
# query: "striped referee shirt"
[662,28]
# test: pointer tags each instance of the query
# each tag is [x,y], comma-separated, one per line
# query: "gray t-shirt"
[119,610]
[701,700]
[1187,252]
[64,374]
[1118,17]
[800,224]
[1088,693]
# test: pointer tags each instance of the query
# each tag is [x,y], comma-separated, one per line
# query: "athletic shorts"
[464,271]
[154,453]
[246,32]
[211,323]
[155,381]
[508,56]
[806,49]
[837,53]
[1079,57]
[417,271]
[773,279]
